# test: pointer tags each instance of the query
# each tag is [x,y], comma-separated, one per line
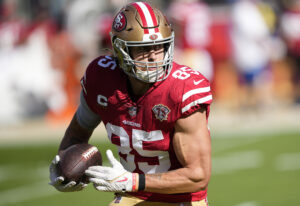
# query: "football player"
[154,110]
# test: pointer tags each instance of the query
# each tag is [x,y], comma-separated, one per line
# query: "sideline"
[223,124]
[38,132]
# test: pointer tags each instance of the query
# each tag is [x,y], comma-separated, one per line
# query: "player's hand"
[112,179]
[57,181]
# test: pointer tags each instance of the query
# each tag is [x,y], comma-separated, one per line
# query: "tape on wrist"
[142,182]
[134,181]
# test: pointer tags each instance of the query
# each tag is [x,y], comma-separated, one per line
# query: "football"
[75,159]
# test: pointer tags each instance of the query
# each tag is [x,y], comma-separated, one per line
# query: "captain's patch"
[161,112]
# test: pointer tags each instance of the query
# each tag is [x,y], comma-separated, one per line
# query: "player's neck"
[137,87]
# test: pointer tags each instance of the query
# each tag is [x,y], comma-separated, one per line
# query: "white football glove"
[57,181]
[112,179]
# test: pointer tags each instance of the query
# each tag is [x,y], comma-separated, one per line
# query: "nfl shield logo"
[132,111]
[161,112]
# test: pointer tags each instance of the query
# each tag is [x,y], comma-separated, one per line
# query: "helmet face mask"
[132,29]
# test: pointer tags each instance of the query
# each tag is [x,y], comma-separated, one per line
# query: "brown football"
[75,159]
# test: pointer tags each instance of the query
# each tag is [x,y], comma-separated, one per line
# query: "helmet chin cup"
[149,76]
[133,27]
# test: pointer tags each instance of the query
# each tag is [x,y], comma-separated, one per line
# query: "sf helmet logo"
[120,22]
[153,37]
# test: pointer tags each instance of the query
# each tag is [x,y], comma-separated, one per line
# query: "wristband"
[142,182]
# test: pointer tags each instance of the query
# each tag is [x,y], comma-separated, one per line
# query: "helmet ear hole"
[129,51]
[166,47]
[113,39]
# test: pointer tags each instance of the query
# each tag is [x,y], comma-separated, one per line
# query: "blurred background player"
[154,110]
[193,39]
[66,35]
[290,29]
[250,35]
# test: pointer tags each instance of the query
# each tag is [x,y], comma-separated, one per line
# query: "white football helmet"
[138,25]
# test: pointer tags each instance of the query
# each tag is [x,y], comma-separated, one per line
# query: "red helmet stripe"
[147,16]
[143,18]
[152,16]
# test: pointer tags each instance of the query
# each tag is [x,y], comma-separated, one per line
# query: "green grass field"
[263,170]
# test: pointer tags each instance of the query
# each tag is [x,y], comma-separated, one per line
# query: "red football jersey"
[143,129]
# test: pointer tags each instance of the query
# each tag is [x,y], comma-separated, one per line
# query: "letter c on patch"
[102,100]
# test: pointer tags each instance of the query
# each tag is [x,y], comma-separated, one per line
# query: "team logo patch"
[120,22]
[161,112]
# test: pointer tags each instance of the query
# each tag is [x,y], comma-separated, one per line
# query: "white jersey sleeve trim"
[194,103]
[85,116]
[83,87]
[195,91]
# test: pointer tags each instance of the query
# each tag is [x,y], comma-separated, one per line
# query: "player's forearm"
[178,181]
[75,134]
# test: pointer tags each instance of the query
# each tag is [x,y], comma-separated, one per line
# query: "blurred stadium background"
[249,50]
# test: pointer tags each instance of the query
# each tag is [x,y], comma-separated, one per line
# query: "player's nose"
[152,55]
